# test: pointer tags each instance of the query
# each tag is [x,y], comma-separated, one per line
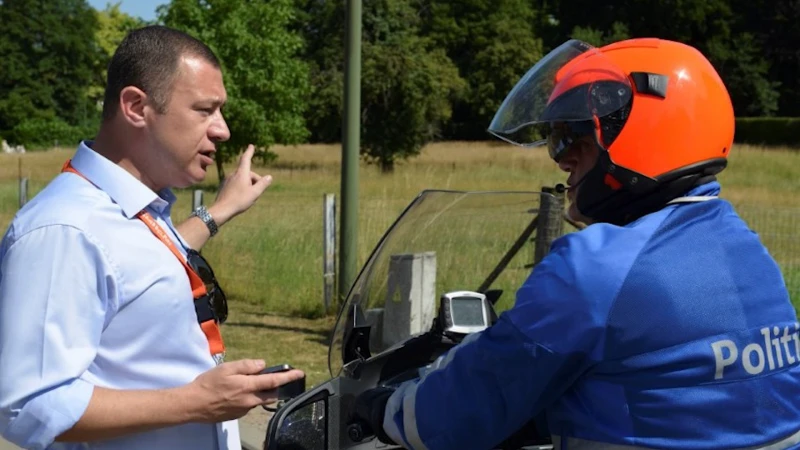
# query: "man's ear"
[132,104]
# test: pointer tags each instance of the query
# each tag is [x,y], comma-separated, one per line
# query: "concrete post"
[411,297]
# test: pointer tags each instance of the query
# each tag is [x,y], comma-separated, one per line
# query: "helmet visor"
[573,83]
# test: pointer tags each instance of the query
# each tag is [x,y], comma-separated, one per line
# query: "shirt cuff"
[47,416]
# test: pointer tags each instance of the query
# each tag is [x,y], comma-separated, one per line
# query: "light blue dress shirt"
[89,296]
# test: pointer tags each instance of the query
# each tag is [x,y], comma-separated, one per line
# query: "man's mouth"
[571,185]
[208,154]
[574,181]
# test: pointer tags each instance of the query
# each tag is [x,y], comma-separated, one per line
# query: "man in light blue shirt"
[100,345]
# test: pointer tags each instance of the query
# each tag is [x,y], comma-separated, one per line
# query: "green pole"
[350,150]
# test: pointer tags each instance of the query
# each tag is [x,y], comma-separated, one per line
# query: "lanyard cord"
[198,287]
[210,327]
[692,199]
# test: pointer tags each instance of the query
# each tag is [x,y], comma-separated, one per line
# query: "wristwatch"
[202,213]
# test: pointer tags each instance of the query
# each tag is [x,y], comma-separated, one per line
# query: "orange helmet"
[658,110]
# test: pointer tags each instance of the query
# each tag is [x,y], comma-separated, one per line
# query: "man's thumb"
[265,181]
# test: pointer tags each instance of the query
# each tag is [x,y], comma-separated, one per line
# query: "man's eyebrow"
[212,101]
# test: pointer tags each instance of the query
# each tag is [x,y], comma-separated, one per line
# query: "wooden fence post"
[23,191]
[551,220]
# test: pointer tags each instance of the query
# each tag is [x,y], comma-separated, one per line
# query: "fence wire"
[778,230]
[281,251]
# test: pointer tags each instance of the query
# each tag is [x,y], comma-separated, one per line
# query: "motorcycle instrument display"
[464,312]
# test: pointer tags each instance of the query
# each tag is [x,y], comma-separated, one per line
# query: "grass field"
[270,258]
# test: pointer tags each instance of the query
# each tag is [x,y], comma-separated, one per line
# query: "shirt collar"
[124,189]
[709,189]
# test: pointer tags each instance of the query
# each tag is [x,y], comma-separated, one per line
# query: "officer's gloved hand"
[370,407]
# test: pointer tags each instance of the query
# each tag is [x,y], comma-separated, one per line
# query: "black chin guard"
[615,195]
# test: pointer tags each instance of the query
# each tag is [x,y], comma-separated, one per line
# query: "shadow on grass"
[321,336]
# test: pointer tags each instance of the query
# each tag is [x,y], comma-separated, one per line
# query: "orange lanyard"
[198,287]
[210,327]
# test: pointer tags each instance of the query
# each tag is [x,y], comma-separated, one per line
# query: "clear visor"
[573,83]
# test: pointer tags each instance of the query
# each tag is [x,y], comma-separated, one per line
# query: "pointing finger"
[246,158]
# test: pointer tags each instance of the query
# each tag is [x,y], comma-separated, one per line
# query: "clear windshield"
[444,241]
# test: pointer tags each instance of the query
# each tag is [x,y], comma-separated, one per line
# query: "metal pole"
[197,199]
[350,150]
[328,249]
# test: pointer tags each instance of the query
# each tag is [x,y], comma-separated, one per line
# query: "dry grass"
[250,333]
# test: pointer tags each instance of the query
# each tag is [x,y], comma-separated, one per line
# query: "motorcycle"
[437,275]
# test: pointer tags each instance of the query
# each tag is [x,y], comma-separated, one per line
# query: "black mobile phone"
[276,369]
[288,390]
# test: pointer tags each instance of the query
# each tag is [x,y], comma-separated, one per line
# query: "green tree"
[407,84]
[744,69]
[715,27]
[112,26]
[493,43]
[267,83]
[406,99]
[619,31]
[773,27]
[49,58]
[784,53]
[321,23]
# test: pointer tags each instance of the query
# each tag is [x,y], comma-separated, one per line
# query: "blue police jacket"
[674,331]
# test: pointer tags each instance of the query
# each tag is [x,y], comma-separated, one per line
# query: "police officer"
[663,324]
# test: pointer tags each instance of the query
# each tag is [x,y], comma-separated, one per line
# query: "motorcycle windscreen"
[444,241]
[573,83]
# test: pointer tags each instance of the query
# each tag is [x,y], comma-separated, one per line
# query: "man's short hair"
[148,58]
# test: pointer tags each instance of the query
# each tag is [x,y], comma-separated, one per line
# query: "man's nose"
[218,131]
[568,161]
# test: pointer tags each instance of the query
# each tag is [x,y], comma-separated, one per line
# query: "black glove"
[369,409]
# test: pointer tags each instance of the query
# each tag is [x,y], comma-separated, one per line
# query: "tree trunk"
[220,170]
[387,165]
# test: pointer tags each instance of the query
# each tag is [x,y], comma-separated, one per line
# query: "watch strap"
[202,213]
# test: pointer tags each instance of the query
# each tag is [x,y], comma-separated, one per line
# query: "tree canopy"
[267,84]
[48,64]
[407,83]
[431,69]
